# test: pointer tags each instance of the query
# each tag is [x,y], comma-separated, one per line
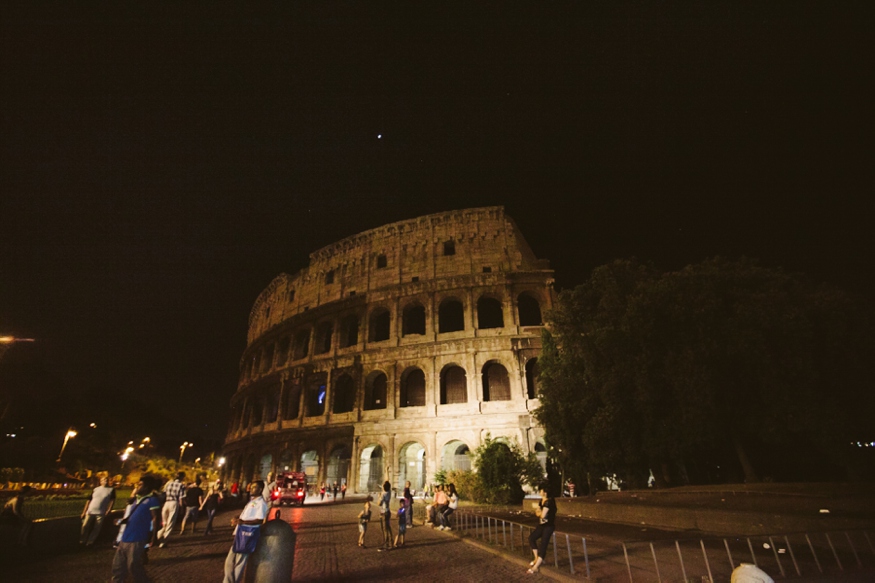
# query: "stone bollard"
[274,558]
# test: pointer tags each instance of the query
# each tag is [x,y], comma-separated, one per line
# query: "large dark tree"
[659,371]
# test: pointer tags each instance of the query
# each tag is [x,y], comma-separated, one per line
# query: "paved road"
[325,550]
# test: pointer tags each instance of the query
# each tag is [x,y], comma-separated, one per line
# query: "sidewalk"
[325,550]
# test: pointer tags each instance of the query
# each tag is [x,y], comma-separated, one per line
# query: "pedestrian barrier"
[513,538]
[706,558]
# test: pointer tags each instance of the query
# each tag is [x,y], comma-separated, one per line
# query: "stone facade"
[393,354]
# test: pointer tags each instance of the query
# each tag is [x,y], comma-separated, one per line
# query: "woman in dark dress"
[546,510]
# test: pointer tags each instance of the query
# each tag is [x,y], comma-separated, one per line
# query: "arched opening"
[411,465]
[375,391]
[282,351]
[451,316]
[286,461]
[541,454]
[455,455]
[256,363]
[273,404]
[315,396]
[344,394]
[532,374]
[257,413]
[310,465]
[454,385]
[529,310]
[293,401]
[496,385]
[413,320]
[267,359]
[378,328]
[249,470]
[323,338]
[349,331]
[489,313]
[371,469]
[302,344]
[265,466]
[413,388]
[338,465]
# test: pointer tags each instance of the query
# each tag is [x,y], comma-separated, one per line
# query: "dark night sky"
[158,169]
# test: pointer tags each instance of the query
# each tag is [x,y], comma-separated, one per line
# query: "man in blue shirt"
[140,532]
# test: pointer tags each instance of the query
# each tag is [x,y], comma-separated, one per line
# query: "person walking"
[194,499]
[546,511]
[174,492]
[364,518]
[343,491]
[334,490]
[322,492]
[211,505]
[97,508]
[253,514]
[386,516]
[141,531]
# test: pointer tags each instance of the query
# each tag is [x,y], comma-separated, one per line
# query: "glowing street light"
[71,433]
[221,462]
[182,449]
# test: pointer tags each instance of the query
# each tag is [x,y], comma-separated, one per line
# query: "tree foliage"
[644,370]
[502,469]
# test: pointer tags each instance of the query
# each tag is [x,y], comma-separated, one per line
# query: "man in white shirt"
[175,492]
[98,507]
[253,513]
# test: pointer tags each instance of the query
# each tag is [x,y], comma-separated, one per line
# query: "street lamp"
[6,343]
[70,434]
[182,449]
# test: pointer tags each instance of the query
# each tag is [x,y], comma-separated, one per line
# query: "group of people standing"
[335,488]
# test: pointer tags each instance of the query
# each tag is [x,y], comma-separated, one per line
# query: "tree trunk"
[750,475]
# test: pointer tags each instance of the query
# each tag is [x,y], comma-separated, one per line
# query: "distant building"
[393,354]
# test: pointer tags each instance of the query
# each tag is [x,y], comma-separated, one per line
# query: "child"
[402,522]
[364,518]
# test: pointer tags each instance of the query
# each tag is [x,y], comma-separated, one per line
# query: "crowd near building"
[393,354]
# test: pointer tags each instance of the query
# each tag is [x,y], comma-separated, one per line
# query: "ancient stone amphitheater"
[393,354]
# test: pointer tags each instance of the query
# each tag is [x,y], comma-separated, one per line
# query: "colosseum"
[393,354]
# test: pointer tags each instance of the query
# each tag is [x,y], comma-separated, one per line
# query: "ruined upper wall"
[398,253]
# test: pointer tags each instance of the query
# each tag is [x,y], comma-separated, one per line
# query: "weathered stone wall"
[313,395]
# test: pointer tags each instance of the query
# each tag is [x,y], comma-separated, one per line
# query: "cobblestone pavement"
[325,550]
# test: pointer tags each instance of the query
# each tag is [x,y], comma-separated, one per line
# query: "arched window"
[454,385]
[489,314]
[323,338]
[315,396]
[257,411]
[413,388]
[302,344]
[496,385]
[293,401]
[379,325]
[529,310]
[413,320]
[451,316]
[375,391]
[349,331]
[267,358]
[344,394]
[532,373]
[273,404]
[282,351]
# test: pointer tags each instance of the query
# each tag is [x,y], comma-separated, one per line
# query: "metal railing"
[706,558]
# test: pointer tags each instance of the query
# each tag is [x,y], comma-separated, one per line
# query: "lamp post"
[71,433]
[182,449]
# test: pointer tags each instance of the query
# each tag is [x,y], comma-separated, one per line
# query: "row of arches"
[321,337]
[313,398]
[372,464]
